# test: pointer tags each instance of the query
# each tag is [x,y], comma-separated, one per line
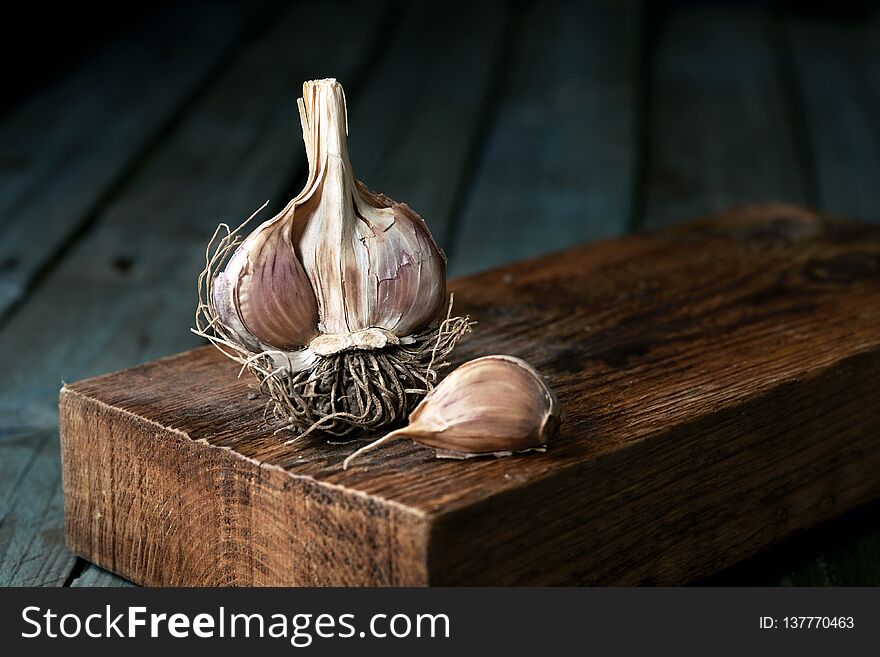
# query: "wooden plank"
[123,305]
[721,132]
[123,289]
[30,527]
[64,152]
[559,164]
[719,387]
[19,448]
[836,70]
[720,68]
[415,119]
[415,126]
[837,553]
[834,66]
[721,129]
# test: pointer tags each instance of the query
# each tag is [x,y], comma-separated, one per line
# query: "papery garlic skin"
[340,266]
[492,405]
[337,305]
[372,262]
[264,294]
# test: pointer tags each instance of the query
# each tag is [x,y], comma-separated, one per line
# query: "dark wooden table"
[516,129]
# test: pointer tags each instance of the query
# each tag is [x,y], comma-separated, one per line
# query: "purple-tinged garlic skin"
[491,405]
[338,261]
[371,261]
[337,304]
[266,293]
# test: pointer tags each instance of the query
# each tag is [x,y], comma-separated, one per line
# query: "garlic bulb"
[340,267]
[491,405]
[338,303]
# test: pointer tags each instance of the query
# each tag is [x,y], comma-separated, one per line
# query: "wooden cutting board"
[720,384]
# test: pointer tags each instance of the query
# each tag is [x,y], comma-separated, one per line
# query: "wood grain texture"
[721,126]
[270,528]
[64,152]
[121,292]
[748,106]
[718,380]
[837,71]
[30,526]
[835,92]
[559,162]
[418,117]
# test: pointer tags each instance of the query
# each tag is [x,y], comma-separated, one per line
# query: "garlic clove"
[338,259]
[265,290]
[223,301]
[491,405]
[338,304]
[411,274]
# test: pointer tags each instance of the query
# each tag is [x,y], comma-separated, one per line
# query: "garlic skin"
[340,267]
[264,294]
[491,405]
[338,304]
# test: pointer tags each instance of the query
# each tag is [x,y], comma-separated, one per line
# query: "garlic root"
[336,304]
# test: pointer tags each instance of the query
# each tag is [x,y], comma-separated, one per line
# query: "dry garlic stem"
[340,267]
[492,405]
[336,303]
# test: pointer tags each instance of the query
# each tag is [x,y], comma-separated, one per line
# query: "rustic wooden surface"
[112,176]
[718,384]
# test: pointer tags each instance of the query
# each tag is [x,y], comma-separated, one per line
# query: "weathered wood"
[718,381]
[559,164]
[415,125]
[122,293]
[125,291]
[123,305]
[745,109]
[18,449]
[65,151]
[842,552]
[30,530]
[830,60]
[721,126]
[834,82]
[836,69]
[711,69]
